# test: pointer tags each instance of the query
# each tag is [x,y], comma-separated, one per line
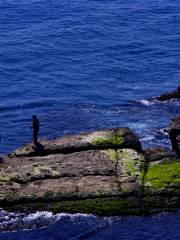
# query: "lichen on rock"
[128,167]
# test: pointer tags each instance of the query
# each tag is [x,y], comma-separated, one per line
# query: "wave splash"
[10,221]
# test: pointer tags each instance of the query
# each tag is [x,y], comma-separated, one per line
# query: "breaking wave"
[11,221]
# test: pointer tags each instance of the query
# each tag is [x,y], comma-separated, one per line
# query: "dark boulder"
[169,96]
[174,134]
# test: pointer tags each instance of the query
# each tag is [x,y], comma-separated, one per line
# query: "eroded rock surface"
[103,172]
[83,174]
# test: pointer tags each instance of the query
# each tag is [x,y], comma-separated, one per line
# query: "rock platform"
[103,172]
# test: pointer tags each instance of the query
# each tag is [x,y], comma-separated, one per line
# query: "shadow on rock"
[1,160]
[38,147]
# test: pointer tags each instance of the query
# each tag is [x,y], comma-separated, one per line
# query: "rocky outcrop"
[103,172]
[169,96]
[85,165]
[174,134]
[112,138]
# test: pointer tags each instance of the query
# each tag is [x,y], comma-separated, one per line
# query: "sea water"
[83,65]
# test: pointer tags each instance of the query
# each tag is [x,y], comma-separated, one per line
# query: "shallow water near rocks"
[86,65]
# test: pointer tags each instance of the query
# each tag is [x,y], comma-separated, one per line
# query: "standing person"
[35,126]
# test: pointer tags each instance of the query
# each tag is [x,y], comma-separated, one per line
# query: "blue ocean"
[85,65]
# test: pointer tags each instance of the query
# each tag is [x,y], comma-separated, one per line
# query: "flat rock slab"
[113,138]
[110,171]
[92,162]
[69,188]
[106,164]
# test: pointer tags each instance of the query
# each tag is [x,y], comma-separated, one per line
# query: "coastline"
[102,172]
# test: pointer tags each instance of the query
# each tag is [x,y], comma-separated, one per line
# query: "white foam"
[12,221]
[37,215]
[147,102]
[147,138]
[164,131]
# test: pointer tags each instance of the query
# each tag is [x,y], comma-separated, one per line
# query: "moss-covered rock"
[112,141]
[163,176]
[128,167]
[100,206]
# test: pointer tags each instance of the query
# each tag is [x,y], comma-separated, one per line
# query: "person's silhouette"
[35,126]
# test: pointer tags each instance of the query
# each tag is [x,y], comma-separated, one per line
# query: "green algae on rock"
[163,176]
[128,167]
[107,140]
[100,206]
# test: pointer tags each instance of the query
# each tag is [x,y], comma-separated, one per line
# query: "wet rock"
[169,96]
[174,134]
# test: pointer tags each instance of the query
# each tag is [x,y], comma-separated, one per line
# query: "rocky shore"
[104,172]
[169,96]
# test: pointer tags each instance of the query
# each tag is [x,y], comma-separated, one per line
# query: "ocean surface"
[83,65]
[46,226]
